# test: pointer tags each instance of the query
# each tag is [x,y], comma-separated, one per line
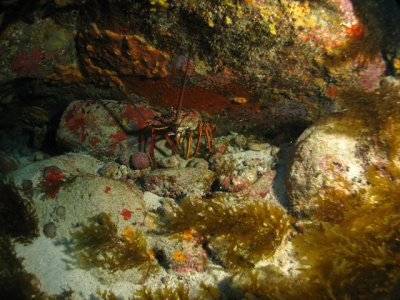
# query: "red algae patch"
[164,93]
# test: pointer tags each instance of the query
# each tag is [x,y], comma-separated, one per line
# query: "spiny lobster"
[177,125]
[182,123]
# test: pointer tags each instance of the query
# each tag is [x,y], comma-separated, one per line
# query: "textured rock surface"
[34,50]
[79,192]
[323,160]
[120,55]
[265,69]
[178,182]
[101,127]
[244,166]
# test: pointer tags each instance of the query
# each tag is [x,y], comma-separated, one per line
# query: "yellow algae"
[239,100]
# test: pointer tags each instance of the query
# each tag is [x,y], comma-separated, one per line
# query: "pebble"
[50,230]
[111,170]
[61,211]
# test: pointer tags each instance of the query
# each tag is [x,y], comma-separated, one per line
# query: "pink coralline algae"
[234,183]
[261,187]
[118,137]
[53,178]
[189,262]
[75,121]
[370,77]
[140,160]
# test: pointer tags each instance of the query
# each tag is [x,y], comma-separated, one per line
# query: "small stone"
[111,170]
[140,160]
[258,146]
[27,184]
[174,161]
[50,230]
[7,163]
[38,156]
[240,141]
[61,211]
[124,170]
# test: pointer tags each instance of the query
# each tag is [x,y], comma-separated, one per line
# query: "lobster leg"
[142,142]
[171,143]
[209,136]
[200,128]
[152,144]
[189,144]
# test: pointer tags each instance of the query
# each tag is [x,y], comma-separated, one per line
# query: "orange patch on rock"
[126,213]
[108,55]
[67,74]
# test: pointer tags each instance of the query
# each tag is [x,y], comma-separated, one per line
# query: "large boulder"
[324,160]
[101,128]
[65,192]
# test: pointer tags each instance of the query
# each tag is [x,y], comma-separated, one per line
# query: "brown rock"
[106,55]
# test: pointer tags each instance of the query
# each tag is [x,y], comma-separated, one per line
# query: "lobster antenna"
[178,111]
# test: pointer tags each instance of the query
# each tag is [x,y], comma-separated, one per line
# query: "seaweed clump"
[249,231]
[270,283]
[359,257]
[99,245]
[367,112]
[18,223]
[15,283]
[18,218]
[354,257]
[179,293]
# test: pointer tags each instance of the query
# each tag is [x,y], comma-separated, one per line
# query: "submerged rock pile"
[199,149]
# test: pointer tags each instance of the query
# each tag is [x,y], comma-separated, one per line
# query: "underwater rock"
[72,164]
[239,170]
[50,230]
[89,127]
[119,55]
[7,163]
[82,194]
[102,128]
[34,49]
[111,170]
[140,160]
[323,159]
[178,182]
[174,161]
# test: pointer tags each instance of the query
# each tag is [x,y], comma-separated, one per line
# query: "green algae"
[57,40]
[249,231]
[359,256]
[351,249]
[99,245]
[355,256]
[371,115]
[180,293]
